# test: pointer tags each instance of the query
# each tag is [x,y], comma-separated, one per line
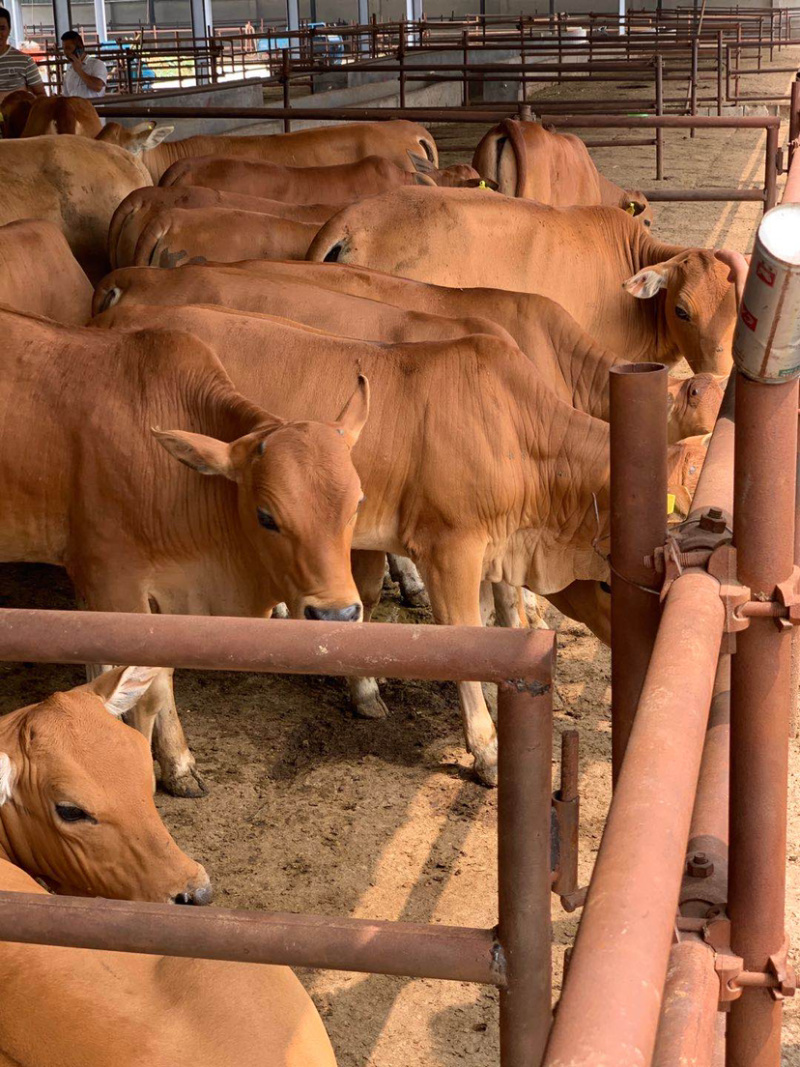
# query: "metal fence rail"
[515,956]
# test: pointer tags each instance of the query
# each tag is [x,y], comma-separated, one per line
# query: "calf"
[591,260]
[103,497]
[526,159]
[40,275]
[141,206]
[470,466]
[171,237]
[77,813]
[567,359]
[322,146]
[62,114]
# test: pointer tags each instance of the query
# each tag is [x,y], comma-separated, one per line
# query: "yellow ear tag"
[482,185]
[670,503]
[631,208]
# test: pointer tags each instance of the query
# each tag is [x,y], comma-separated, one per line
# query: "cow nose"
[200,896]
[349,614]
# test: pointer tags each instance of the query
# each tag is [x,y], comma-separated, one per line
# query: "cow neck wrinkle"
[574,446]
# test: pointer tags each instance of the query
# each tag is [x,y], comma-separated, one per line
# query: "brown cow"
[62,114]
[40,275]
[140,206]
[172,236]
[138,532]
[569,362]
[14,110]
[526,159]
[342,184]
[589,260]
[77,813]
[74,182]
[470,467]
[322,146]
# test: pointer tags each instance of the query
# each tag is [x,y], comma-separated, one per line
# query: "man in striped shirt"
[17,71]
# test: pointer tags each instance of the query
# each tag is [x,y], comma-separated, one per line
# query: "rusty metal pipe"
[408,949]
[715,486]
[687,1031]
[637,401]
[446,653]
[609,1009]
[525,740]
[766,445]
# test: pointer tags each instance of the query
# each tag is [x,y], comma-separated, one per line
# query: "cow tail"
[514,132]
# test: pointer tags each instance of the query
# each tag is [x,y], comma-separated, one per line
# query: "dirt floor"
[312,810]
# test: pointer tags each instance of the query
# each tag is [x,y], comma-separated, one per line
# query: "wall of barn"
[126,13]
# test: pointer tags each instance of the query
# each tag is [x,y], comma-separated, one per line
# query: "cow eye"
[72,813]
[682,313]
[605,587]
[267,520]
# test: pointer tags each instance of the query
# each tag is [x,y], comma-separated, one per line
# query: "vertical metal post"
[693,86]
[738,57]
[465,60]
[764,509]
[794,117]
[202,25]
[659,112]
[401,51]
[286,73]
[62,17]
[363,20]
[771,168]
[760,39]
[100,23]
[719,72]
[525,729]
[17,26]
[638,398]
[795,684]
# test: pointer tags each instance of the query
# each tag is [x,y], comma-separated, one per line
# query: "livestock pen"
[657,954]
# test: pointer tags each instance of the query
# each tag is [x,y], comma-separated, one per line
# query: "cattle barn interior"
[473,334]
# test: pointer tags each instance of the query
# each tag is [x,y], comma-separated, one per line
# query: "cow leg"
[452,575]
[156,710]
[179,774]
[367,570]
[412,590]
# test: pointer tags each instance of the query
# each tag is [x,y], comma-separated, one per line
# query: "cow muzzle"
[199,895]
[352,613]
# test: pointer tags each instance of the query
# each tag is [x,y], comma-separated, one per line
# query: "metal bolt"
[699,866]
[713,520]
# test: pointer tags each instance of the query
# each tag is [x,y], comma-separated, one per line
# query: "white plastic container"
[766,344]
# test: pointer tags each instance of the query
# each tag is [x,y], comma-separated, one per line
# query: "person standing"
[17,71]
[86,76]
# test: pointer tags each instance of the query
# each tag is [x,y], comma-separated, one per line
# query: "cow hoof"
[486,766]
[415,598]
[372,708]
[188,784]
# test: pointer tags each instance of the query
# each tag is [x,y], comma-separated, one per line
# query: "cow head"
[635,203]
[693,405]
[698,305]
[76,803]
[298,496]
[457,176]
[139,138]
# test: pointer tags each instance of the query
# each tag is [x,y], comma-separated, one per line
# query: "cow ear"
[123,687]
[424,166]
[423,179]
[648,282]
[144,136]
[633,203]
[8,773]
[354,414]
[479,183]
[206,455]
